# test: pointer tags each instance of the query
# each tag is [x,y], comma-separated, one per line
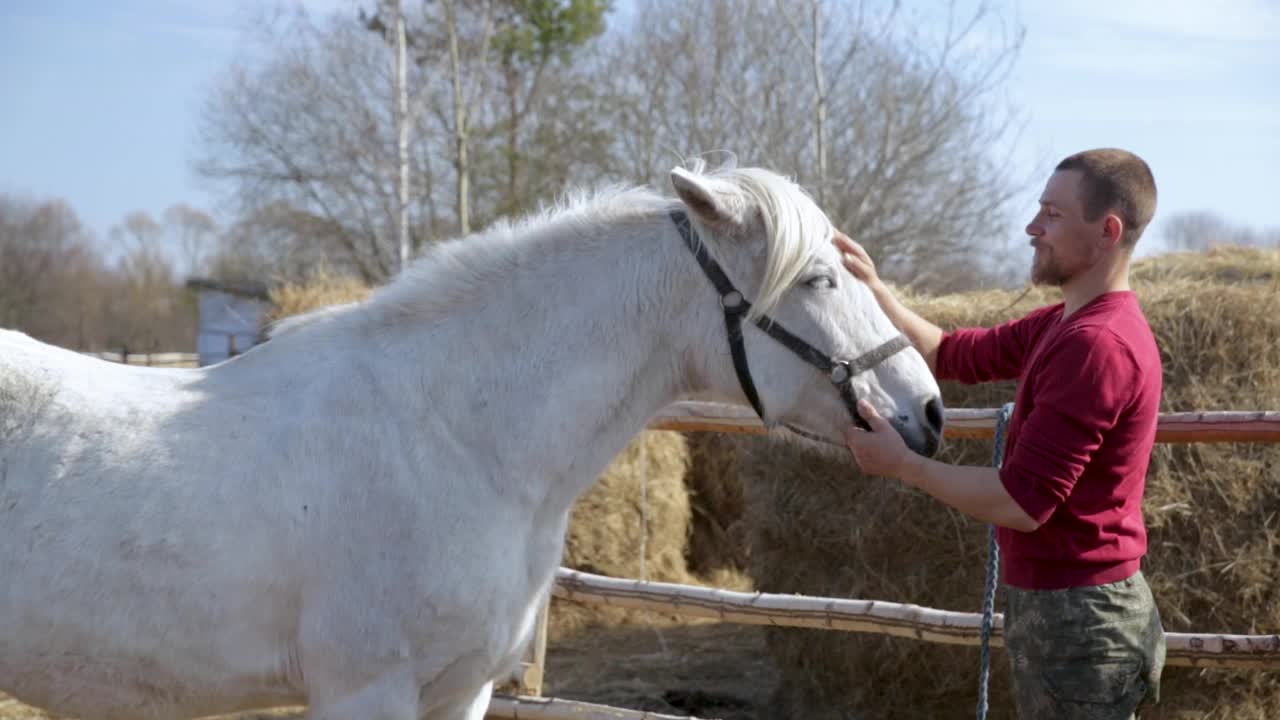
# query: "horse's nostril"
[933,414]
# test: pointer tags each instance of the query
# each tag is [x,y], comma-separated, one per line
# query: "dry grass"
[705,669]
[320,289]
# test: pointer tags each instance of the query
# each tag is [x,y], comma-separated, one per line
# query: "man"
[1081,629]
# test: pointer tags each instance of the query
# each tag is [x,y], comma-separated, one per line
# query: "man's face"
[1064,242]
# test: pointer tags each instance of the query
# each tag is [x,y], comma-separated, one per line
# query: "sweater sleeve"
[1084,387]
[974,355]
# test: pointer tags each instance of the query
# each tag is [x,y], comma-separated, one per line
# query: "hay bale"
[320,289]
[819,527]
[633,522]
[1223,265]
[718,541]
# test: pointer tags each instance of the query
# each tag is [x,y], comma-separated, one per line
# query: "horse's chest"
[512,600]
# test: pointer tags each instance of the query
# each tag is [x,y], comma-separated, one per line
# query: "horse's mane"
[456,272]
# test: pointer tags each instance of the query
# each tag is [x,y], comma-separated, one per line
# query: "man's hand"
[973,490]
[925,336]
[857,261]
[880,451]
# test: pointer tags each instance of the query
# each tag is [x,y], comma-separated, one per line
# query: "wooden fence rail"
[872,616]
[505,707]
[1180,427]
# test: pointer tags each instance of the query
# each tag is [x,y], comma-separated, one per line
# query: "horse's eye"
[821,282]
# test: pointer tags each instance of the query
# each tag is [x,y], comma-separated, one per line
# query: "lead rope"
[993,565]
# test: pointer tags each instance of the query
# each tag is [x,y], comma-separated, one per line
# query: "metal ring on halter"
[841,372]
[731,300]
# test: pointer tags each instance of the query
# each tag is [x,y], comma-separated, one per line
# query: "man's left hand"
[880,451]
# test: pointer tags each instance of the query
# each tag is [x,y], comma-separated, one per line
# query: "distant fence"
[165,359]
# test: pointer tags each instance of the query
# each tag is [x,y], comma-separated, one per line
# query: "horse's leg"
[473,709]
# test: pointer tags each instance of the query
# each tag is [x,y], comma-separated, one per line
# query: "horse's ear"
[702,199]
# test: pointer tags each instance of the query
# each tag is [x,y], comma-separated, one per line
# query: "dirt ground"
[706,670]
[710,671]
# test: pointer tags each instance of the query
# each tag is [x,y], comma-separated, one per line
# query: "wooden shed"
[232,316]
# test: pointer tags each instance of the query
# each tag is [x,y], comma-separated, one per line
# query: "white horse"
[365,512]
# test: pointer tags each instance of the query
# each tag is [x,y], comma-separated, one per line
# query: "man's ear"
[1112,229]
[710,206]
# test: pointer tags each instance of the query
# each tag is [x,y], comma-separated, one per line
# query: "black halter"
[841,372]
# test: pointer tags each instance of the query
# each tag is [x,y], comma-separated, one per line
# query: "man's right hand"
[923,334]
[857,261]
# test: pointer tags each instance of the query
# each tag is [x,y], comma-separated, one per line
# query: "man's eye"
[821,282]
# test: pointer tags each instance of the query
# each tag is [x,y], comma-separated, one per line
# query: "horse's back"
[110,504]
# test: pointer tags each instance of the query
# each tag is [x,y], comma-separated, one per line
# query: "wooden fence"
[166,359]
[870,616]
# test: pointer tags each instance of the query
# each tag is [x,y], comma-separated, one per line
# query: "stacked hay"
[818,527]
[718,539]
[321,288]
[634,522]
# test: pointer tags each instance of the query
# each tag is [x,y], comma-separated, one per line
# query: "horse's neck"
[566,362]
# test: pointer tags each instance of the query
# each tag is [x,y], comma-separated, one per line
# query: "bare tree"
[307,127]
[138,230]
[193,232]
[468,77]
[813,42]
[895,124]
[56,286]
[396,36]
[1203,229]
[911,166]
[146,304]
[49,273]
[402,135]
[313,122]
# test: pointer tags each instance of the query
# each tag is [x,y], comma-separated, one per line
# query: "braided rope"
[993,565]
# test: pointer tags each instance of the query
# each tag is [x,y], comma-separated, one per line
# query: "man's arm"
[924,335]
[974,491]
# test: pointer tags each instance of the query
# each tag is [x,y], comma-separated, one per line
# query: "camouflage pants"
[1087,653]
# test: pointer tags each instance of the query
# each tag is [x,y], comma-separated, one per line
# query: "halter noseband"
[840,372]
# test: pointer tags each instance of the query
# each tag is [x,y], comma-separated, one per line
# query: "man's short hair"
[1115,181]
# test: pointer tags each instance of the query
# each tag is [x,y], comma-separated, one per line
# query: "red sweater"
[1080,439]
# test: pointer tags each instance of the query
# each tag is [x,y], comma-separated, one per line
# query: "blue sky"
[101,99]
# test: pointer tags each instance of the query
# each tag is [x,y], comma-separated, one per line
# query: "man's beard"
[1044,271]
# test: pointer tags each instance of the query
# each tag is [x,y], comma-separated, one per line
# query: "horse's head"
[807,316]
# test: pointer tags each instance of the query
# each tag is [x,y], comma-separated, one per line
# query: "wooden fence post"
[533,666]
